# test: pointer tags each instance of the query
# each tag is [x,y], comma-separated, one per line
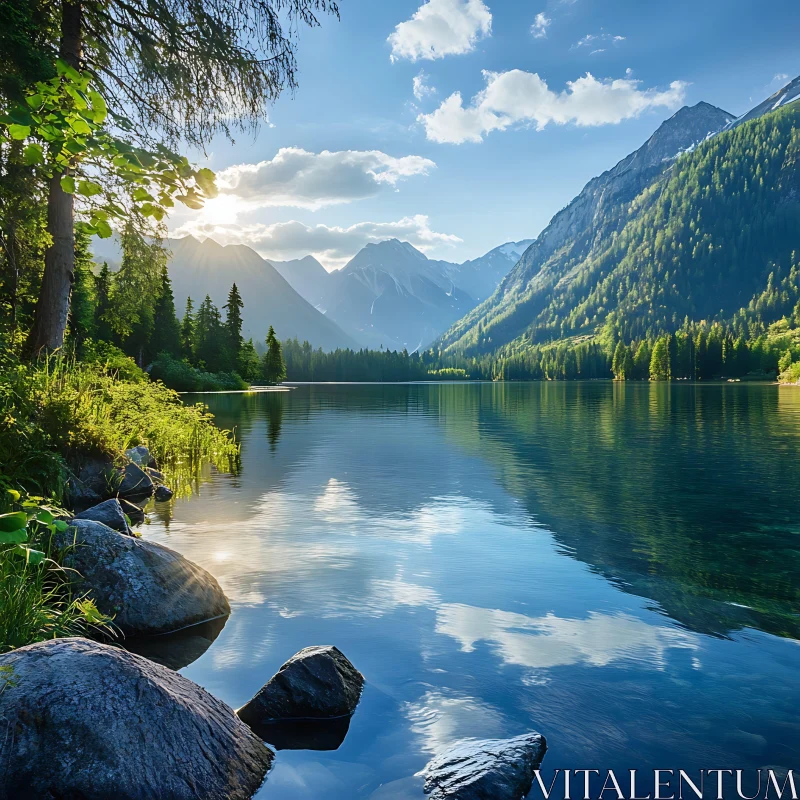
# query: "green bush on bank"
[57,410]
[181,376]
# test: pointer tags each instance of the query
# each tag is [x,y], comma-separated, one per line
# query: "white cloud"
[441,28]
[540,25]
[421,87]
[301,179]
[332,245]
[594,38]
[518,97]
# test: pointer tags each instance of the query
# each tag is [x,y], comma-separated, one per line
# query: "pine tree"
[210,339]
[274,368]
[187,331]
[249,362]
[102,307]
[166,336]
[80,326]
[233,324]
[618,362]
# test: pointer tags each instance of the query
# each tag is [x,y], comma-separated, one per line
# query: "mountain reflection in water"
[614,565]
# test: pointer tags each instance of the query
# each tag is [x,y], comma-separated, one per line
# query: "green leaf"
[79,125]
[19,131]
[67,71]
[45,517]
[33,154]
[103,229]
[14,537]
[139,195]
[13,520]
[33,556]
[206,180]
[89,188]
[191,202]
[34,100]
[98,105]
[68,184]
[14,495]
[60,525]
[158,213]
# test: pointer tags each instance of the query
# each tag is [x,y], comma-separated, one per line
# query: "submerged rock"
[148,588]
[164,493]
[487,769]
[91,721]
[110,513]
[135,513]
[316,683]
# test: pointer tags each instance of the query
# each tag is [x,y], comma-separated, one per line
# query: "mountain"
[691,225]
[788,94]
[599,211]
[481,276]
[200,268]
[391,294]
[306,276]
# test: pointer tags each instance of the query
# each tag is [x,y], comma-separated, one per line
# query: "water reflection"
[616,566]
[550,641]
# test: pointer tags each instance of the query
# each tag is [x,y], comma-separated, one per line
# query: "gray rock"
[80,495]
[148,588]
[488,769]
[139,455]
[110,513]
[163,493]
[135,513]
[98,474]
[316,683]
[85,720]
[135,482]
[156,476]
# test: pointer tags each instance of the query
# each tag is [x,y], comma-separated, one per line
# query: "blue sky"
[550,94]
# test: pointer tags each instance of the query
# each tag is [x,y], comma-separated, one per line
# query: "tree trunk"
[52,308]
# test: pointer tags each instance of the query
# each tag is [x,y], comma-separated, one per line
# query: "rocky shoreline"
[80,718]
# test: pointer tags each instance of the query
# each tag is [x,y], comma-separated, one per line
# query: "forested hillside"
[701,243]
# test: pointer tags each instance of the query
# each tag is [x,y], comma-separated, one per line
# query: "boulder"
[139,455]
[91,721]
[486,769]
[110,513]
[135,513]
[163,493]
[80,495]
[148,588]
[134,482]
[316,683]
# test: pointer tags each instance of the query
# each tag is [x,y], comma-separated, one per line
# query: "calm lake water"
[614,565]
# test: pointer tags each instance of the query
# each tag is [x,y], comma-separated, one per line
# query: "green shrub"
[183,377]
[791,374]
[56,410]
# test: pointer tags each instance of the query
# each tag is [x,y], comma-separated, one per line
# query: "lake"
[616,566]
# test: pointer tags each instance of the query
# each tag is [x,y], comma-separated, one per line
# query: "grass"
[36,597]
[53,412]
[56,410]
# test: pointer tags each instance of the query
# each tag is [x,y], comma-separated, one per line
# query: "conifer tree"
[274,368]
[187,331]
[102,306]
[166,336]
[233,323]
